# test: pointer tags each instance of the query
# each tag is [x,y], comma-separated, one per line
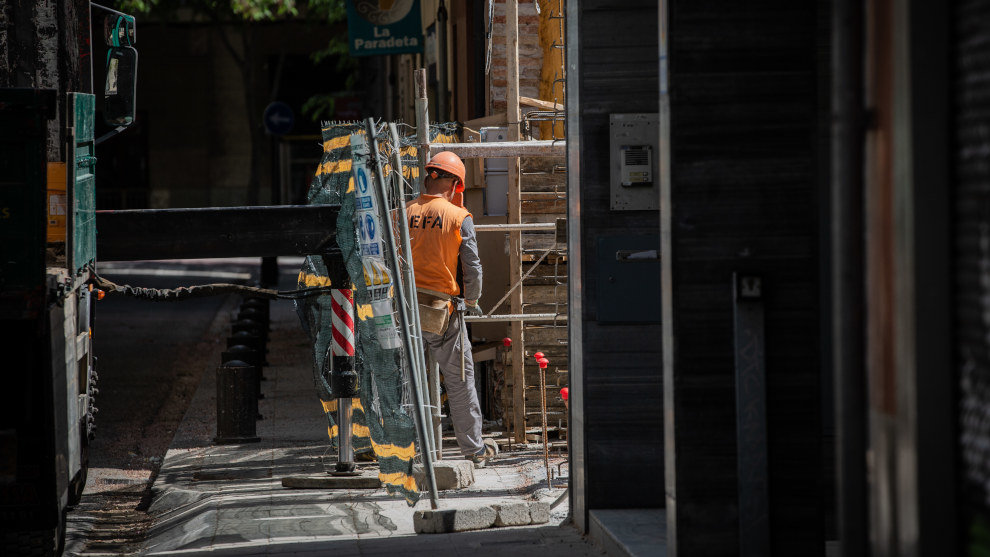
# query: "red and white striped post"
[343,379]
[342,304]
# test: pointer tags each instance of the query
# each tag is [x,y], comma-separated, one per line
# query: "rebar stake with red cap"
[543,362]
[507,342]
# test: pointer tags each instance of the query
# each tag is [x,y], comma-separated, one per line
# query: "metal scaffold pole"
[423,155]
[422,126]
[422,369]
[404,318]
[515,217]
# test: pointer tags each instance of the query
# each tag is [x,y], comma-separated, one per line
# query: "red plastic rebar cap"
[563,393]
[507,341]
[543,362]
[538,355]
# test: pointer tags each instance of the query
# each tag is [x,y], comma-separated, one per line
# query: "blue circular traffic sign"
[362,180]
[369,226]
[278,118]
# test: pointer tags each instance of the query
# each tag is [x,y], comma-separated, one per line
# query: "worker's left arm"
[470,262]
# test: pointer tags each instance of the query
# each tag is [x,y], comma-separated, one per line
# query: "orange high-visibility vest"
[435,238]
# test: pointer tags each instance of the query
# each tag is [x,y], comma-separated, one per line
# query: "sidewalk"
[228,500]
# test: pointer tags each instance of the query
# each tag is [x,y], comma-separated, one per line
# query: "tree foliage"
[235,23]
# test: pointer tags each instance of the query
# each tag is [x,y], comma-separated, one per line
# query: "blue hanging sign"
[383,27]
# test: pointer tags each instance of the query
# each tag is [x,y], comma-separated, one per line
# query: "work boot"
[480,460]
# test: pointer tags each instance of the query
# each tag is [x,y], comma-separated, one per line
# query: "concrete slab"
[450,474]
[539,512]
[512,514]
[332,482]
[445,521]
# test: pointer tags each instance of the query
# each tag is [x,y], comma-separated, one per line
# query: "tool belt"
[434,310]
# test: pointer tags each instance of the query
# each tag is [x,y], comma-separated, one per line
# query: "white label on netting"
[368,224]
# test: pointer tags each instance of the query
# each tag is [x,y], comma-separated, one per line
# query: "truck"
[48,263]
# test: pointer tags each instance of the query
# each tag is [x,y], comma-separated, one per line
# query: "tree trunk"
[43,46]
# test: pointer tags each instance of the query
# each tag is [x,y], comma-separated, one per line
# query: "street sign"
[383,27]
[278,118]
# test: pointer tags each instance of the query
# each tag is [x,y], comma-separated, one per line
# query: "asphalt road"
[151,357]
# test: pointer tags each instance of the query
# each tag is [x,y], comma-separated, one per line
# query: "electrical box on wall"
[496,175]
[634,155]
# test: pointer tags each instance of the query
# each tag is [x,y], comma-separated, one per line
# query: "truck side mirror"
[120,91]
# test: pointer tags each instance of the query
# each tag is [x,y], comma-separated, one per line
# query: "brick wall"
[530,55]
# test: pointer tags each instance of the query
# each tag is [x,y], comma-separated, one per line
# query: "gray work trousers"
[465,411]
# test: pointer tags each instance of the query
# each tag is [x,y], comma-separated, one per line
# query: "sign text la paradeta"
[384,27]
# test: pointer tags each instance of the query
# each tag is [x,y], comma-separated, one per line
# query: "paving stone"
[453,520]
[450,474]
[332,482]
[512,514]
[539,512]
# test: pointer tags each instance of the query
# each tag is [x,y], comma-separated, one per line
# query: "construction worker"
[442,236]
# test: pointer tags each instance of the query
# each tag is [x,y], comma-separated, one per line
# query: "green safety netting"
[383,414]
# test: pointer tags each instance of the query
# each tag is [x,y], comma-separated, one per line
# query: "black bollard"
[249,356]
[251,326]
[259,304]
[243,353]
[237,405]
[253,341]
[253,314]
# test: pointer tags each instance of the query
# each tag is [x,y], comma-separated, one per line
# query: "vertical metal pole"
[543,419]
[515,217]
[345,455]
[422,127]
[442,112]
[403,317]
[423,153]
[434,385]
[420,370]
[343,378]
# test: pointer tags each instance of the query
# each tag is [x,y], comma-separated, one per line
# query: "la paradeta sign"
[383,27]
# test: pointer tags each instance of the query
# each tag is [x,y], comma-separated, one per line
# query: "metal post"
[345,452]
[442,112]
[515,217]
[343,379]
[237,405]
[542,363]
[420,369]
[434,381]
[422,127]
[403,316]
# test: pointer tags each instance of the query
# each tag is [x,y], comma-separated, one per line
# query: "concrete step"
[630,532]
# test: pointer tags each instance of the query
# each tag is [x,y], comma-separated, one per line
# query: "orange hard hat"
[449,163]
